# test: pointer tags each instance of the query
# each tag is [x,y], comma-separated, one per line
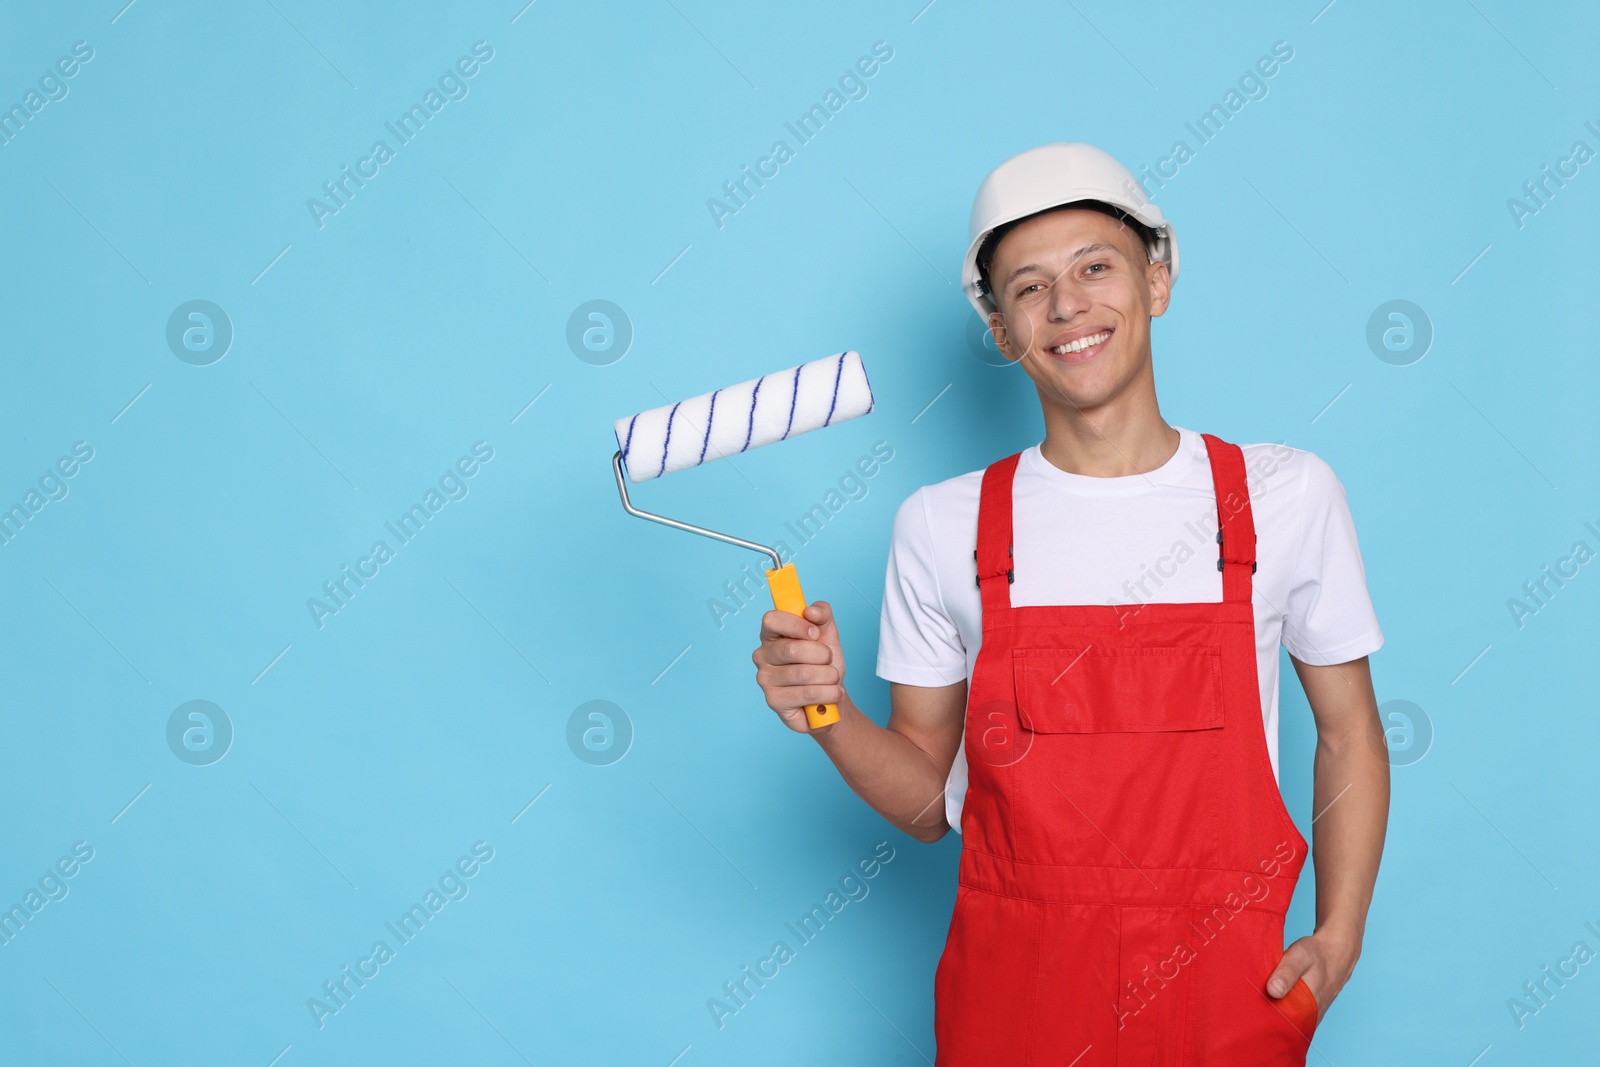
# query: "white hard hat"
[1052,176]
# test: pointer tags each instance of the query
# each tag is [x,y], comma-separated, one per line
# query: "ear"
[1002,336]
[1160,282]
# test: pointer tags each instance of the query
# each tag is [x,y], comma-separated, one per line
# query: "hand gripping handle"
[786,596]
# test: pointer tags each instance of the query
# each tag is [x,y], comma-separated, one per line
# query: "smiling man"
[1081,643]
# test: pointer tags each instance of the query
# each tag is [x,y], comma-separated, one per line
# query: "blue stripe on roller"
[628,444]
[668,442]
[793,399]
[837,374]
[711,417]
[871,401]
[751,429]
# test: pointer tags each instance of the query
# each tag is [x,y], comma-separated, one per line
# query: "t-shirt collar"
[1191,450]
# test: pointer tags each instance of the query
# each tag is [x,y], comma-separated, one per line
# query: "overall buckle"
[1222,555]
[1011,574]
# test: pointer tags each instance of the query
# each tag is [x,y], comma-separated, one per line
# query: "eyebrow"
[1079,254]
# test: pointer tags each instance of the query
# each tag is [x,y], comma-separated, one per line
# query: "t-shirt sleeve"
[1328,618]
[918,642]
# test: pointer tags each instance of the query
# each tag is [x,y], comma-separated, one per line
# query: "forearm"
[1352,805]
[897,779]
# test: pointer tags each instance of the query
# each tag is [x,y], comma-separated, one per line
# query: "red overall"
[1126,856]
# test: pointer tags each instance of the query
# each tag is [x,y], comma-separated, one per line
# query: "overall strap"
[993,554]
[1236,530]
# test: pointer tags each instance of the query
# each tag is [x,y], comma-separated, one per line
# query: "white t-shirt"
[1141,538]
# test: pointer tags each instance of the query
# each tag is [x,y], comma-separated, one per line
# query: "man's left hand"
[1324,960]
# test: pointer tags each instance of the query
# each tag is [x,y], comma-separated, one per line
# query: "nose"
[1066,299]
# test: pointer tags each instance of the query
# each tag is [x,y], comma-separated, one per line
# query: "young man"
[1081,645]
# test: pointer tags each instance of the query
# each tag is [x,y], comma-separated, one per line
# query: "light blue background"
[425,316]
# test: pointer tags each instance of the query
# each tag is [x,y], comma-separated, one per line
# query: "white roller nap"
[744,416]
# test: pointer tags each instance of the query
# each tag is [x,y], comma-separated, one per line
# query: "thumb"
[1297,960]
[820,614]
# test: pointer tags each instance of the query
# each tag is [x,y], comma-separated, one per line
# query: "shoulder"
[952,502]
[1288,476]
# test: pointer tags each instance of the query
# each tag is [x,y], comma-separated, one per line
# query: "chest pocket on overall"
[1118,690]
[1126,743]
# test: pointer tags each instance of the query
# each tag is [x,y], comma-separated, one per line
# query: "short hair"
[986,251]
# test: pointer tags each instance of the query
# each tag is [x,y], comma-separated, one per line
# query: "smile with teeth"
[1081,343]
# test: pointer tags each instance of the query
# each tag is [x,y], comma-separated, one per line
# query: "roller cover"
[744,416]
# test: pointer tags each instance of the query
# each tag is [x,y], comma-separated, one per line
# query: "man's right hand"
[800,662]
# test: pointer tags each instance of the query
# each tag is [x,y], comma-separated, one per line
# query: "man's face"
[1068,275]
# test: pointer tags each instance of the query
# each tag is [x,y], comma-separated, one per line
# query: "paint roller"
[774,407]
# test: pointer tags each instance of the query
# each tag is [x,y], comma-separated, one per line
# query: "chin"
[1076,395]
[1079,389]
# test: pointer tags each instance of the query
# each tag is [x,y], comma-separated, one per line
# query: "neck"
[1107,442]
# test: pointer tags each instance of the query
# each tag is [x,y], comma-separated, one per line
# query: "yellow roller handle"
[786,596]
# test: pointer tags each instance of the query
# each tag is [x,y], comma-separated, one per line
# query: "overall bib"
[1126,856]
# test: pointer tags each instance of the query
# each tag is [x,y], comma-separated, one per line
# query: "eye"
[1092,266]
[1025,290]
